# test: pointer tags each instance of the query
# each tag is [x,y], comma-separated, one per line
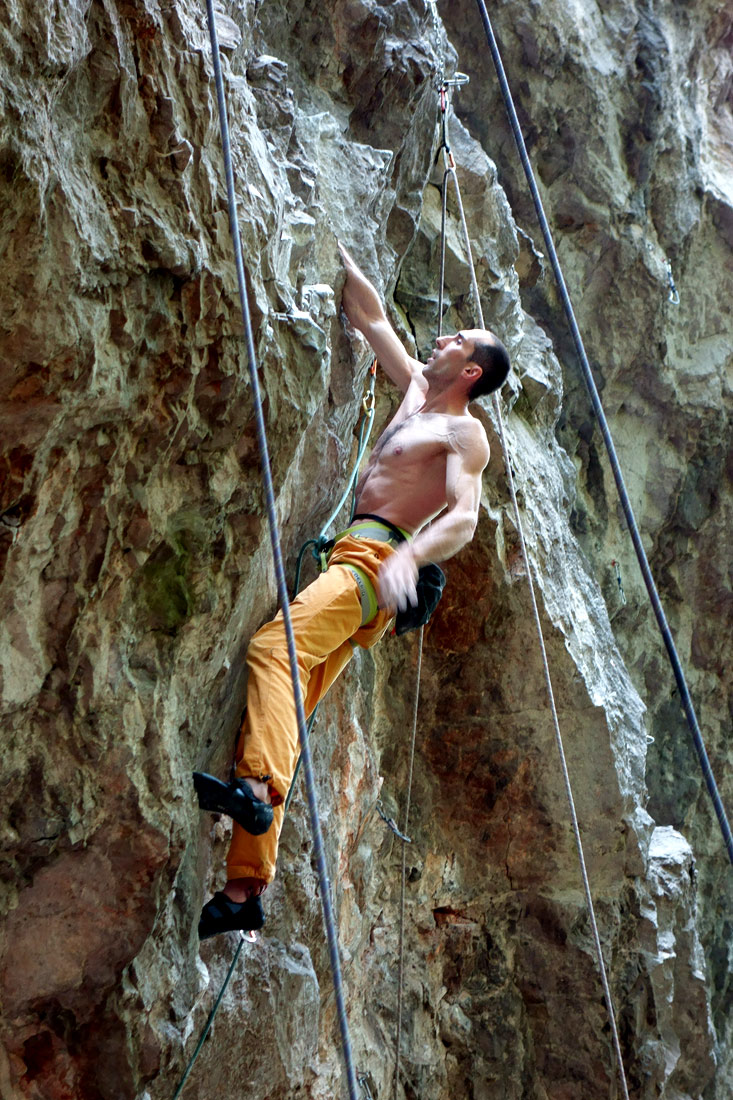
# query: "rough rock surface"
[136,560]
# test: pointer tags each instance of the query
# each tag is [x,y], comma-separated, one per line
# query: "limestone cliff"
[136,558]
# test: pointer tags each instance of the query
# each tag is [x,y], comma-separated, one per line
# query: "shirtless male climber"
[426,464]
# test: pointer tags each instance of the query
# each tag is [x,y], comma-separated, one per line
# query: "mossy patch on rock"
[164,589]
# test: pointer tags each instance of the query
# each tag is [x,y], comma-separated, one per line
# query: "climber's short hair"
[495,366]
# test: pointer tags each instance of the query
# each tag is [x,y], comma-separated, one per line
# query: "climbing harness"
[450,173]
[685,697]
[318,847]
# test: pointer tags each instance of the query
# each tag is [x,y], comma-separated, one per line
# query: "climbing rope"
[402,835]
[318,847]
[320,544]
[646,572]
[405,841]
[451,174]
[438,32]
[366,422]
[450,165]
[365,428]
[243,938]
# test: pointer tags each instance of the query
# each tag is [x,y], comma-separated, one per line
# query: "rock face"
[136,556]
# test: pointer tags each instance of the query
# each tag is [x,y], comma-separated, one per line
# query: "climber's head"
[475,357]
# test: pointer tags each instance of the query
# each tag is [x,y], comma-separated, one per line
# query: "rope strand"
[685,697]
[545,665]
[405,841]
[318,847]
[210,1018]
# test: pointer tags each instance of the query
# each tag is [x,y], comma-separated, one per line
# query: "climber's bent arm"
[467,457]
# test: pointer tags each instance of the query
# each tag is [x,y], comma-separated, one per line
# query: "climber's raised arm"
[365,311]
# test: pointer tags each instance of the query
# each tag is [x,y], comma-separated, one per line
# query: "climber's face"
[450,354]
[452,358]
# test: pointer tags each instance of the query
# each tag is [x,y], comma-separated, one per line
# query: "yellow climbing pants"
[326,619]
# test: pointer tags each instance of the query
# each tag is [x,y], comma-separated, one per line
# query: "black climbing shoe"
[234,799]
[221,914]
